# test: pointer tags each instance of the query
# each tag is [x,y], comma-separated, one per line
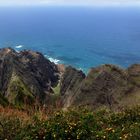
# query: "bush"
[74,124]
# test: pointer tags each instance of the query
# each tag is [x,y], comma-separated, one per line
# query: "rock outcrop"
[70,83]
[106,85]
[26,75]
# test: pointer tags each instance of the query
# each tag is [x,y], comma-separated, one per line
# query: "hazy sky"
[71,2]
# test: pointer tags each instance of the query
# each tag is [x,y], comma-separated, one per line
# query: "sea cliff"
[27,77]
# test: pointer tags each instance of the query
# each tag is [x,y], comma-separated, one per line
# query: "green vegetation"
[3,101]
[55,98]
[136,80]
[19,93]
[57,90]
[72,124]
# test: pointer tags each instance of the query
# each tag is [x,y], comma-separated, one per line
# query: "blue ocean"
[80,36]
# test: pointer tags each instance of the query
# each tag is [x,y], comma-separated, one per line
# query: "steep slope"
[70,84]
[26,76]
[106,85]
[134,74]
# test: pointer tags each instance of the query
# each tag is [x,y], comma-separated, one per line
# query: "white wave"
[17,51]
[56,61]
[81,69]
[19,46]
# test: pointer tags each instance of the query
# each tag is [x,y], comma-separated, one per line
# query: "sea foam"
[19,46]
[56,61]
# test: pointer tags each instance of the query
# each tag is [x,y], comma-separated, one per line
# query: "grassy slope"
[18,91]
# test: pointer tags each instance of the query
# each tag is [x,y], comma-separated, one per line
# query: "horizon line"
[72,5]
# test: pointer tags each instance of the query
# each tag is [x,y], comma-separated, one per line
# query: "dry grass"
[8,112]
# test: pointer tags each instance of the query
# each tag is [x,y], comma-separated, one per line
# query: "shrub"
[73,124]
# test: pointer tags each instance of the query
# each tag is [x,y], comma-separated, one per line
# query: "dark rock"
[26,74]
[70,83]
[104,85]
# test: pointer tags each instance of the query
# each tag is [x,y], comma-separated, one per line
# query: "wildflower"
[97,136]
[125,136]
[109,129]
[78,137]
[113,130]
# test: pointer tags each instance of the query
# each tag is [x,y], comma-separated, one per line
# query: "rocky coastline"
[28,76]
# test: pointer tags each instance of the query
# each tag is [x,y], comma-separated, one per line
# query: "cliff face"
[107,85]
[70,84]
[26,76]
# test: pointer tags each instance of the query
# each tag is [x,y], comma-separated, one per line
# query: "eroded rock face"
[72,78]
[26,74]
[106,85]
[44,71]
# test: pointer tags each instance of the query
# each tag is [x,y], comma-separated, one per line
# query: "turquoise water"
[79,36]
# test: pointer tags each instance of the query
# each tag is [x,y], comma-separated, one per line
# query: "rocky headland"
[28,76]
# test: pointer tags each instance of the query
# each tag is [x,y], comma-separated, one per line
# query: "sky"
[70,2]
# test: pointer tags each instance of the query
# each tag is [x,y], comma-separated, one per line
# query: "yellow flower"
[113,130]
[78,137]
[125,136]
[109,129]
[54,135]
